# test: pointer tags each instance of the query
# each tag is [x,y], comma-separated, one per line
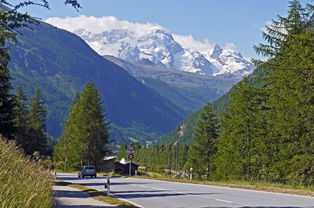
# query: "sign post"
[130,152]
[191,176]
[107,185]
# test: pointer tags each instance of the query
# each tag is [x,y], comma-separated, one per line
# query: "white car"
[87,171]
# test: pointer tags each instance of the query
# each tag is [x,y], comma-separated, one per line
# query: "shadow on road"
[263,207]
[147,194]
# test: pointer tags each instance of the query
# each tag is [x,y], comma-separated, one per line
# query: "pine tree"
[85,139]
[37,125]
[66,149]
[242,149]
[94,135]
[200,156]
[7,103]
[290,80]
[21,119]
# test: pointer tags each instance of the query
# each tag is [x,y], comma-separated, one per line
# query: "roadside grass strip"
[250,185]
[98,195]
[23,182]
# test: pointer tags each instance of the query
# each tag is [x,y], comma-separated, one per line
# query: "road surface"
[160,194]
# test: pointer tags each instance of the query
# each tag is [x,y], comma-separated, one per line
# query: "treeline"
[24,120]
[85,137]
[267,132]
[20,119]
[158,158]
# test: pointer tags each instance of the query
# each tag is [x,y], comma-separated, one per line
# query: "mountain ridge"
[152,44]
[60,64]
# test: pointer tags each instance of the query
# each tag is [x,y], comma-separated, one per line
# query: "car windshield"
[89,167]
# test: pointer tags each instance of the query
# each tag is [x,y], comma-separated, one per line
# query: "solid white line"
[149,187]
[224,187]
[224,201]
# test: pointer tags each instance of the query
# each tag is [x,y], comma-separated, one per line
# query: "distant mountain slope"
[152,44]
[60,64]
[183,133]
[186,90]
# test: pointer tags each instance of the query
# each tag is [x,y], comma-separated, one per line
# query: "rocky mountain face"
[154,45]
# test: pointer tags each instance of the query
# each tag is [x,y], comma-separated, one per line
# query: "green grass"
[251,185]
[24,183]
[99,195]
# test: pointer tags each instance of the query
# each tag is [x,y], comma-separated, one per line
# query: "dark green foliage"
[21,119]
[7,127]
[267,134]
[85,139]
[183,133]
[241,144]
[37,125]
[267,130]
[161,158]
[201,153]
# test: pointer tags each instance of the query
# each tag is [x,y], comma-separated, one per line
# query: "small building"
[123,167]
[108,164]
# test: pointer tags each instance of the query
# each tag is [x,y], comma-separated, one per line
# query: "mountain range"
[60,64]
[151,44]
[143,100]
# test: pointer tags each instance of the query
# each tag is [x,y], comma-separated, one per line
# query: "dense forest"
[266,132]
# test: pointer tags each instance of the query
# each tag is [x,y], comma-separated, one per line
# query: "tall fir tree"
[201,154]
[66,149]
[21,119]
[7,102]
[242,149]
[291,96]
[85,139]
[94,129]
[37,125]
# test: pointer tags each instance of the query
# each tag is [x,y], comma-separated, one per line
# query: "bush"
[24,183]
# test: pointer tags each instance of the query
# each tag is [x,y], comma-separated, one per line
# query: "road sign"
[130,147]
[130,156]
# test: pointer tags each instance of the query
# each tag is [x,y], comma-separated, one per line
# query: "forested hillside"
[266,130]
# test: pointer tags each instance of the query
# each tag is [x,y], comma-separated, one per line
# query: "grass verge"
[250,185]
[23,182]
[98,195]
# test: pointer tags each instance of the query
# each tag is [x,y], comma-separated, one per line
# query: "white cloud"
[268,24]
[230,46]
[188,42]
[100,24]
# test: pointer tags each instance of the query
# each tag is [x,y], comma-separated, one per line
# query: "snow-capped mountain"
[152,44]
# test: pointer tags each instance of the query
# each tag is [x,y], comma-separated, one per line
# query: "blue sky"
[219,21]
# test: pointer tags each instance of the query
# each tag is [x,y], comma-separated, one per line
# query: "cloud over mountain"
[154,45]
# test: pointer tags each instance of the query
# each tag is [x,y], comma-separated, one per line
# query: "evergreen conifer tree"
[7,103]
[66,149]
[21,119]
[242,147]
[201,154]
[85,139]
[37,125]
[290,80]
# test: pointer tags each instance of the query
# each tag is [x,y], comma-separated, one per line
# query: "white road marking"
[220,200]
[149,187]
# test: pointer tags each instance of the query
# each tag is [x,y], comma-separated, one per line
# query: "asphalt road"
[159,194]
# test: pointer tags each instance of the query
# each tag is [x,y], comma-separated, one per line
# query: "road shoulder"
[66,197]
